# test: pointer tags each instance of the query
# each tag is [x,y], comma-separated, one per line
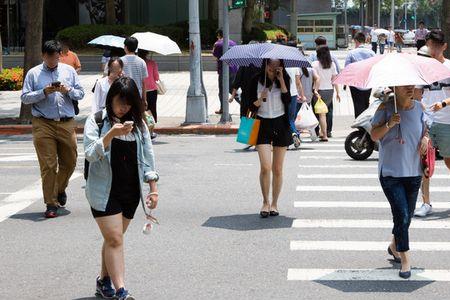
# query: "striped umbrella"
[244,55]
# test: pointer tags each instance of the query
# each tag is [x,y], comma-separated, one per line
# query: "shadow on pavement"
[375,286]
[436,216]
[87,298]
[248,222]
[39,216]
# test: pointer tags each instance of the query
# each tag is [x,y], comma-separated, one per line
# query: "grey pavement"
[211,243]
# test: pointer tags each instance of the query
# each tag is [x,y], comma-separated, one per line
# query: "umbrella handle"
[395,102]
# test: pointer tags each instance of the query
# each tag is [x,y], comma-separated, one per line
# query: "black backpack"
[99,120]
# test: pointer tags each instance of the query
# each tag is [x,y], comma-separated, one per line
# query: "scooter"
[358,143]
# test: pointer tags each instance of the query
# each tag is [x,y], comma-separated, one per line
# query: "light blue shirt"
[55,105]
[98,185]
[358,54]
[313,57]
[396,159]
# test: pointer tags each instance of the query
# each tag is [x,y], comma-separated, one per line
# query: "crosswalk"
[336,196]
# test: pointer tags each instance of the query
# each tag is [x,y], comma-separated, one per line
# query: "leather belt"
[65,119]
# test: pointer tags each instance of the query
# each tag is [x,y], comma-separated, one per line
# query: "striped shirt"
[135,68]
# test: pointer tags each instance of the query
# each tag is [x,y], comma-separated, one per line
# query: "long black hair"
[263,76]
[324,56]
[305,71]
[125,88]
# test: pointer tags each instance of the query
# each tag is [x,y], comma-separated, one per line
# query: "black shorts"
[116,206]
[275,132]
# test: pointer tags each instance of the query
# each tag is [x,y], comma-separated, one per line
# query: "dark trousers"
[382,47]
[152,97]
[374,47]
[230,88]
[360,100]
[420,44]
[401,193]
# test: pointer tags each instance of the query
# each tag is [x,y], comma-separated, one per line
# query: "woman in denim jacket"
[121,159]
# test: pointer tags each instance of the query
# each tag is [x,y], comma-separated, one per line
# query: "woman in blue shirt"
[121,159]
[401,141]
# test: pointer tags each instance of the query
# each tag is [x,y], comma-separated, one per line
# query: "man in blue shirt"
[361,97]
[51,88]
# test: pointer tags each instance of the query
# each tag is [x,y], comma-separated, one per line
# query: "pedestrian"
[121,159]
[391,39]
[115,67]
[68,57]
[436,97]
[270,91]
[217,53]
[134,66]
[326,70]
[399,168]
[420,35]
[360,97]
[322,41]
[51,88]
[310,83]
[399,41]
[243,80]
[374,38]
[382,38]
[296,91]
[151,87]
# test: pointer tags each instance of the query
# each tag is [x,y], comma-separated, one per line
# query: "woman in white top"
[115,66]
[270,98]
[326,69]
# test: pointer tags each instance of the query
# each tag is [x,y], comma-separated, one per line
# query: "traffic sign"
[236,4]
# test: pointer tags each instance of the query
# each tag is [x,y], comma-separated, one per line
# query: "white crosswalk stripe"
[357,204]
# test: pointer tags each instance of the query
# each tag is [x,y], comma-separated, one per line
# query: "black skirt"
[275,132]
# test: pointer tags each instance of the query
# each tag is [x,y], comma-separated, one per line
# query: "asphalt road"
[211,243]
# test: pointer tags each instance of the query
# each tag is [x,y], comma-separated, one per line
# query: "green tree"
[446,23]
[110,9]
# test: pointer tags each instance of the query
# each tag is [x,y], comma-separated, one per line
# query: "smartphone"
[128,123]
[56,84]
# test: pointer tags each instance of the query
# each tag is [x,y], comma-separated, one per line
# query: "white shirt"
[273,107]
[439,95]
[101,90]
[293,72]
[374,36]
[325,75]
[391,36]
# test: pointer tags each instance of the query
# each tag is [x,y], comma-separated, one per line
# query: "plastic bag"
[320,107]
[306,118]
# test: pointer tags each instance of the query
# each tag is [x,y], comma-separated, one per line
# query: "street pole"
[393,14]
[415,14]
[379,13]
[345,23]
[225,118]
[406,16]
[293,18]
[196,97]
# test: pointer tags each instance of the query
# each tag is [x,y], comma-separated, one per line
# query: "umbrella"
[108,41]
[382,31]
[156,43]
[245,55]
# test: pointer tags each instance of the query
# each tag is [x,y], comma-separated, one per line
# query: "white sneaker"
[423,211]
[314,136]
[297,140]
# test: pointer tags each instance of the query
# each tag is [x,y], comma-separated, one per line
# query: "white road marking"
[322,150]
[366,223]
[353,188]
[24,198]
[369,165]
[354,176]
[27,157]
[233,165]
[363,246]
[365,275]
[358,204]
[323,157]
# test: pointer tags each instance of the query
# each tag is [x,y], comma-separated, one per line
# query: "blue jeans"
[382,46]
[294,107]
[401,193]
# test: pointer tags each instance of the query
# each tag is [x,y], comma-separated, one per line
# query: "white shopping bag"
[306,118]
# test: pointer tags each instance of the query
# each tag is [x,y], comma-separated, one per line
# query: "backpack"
[99,120]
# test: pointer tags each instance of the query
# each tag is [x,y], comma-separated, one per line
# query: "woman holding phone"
[270,99]
[121,159]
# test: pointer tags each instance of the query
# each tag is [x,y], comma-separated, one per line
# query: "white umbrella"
[108,41]
[156,43]
[381,31]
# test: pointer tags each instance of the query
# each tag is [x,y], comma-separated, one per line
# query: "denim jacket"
[98,185]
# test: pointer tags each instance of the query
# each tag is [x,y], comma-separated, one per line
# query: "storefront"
[310,26]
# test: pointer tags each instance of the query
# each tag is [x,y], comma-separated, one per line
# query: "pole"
[345,23]
[415,14]
[393,14]
[406,16]
[8,26]
[196,97]
[293,18]
[225,69]
[379,13]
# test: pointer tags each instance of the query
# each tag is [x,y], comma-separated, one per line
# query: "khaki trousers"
[56,148]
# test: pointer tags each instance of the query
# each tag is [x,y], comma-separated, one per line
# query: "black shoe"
[153,136]
[404,275]
[62,199]
[122,294]
[51,212]
[264,214]
[274,213]
[329,135]
[396,259]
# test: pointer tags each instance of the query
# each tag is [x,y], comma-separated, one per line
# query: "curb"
[189,129]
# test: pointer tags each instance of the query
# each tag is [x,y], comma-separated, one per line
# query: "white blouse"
[273,107]
[101,90]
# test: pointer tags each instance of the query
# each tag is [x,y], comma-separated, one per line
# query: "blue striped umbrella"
[244,55]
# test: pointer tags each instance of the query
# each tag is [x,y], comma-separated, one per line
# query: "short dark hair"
[51,47]
[360,37]
[131,43]
[436,36]
[219,32]
[320,41]
[113,60]
[422,22]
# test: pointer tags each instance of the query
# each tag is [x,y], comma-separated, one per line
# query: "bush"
[265,31]
[11,79]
